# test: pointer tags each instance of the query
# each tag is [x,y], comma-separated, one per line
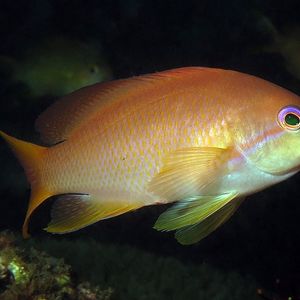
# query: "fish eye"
[289,118]
[94,70]
[292,120]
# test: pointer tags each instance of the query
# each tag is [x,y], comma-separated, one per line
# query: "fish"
[200,138]
[288,45]
[57,66]
[285,42]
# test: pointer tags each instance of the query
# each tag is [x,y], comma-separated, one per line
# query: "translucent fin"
[194,233]
[67,115]
[30,156]
[187,171]
[191,211]
[71,212]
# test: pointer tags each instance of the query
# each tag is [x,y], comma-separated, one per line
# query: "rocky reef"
[56,268]
[35,275]
[137,274]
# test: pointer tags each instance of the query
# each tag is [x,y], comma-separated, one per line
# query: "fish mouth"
[295,169]
[288,173]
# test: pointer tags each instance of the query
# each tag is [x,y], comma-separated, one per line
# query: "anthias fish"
[203,138]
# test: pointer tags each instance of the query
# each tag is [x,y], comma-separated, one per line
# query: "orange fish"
[204,138]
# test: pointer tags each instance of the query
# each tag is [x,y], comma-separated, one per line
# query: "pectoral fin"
[192,210]
[71,212]
[194,233]
[187,171]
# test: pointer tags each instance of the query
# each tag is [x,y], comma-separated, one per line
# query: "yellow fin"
[30,156]
[194,233]
[191,211]
[71,212]
[38,195]
[27,153]
[187,171]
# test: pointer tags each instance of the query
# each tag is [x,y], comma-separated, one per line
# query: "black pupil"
[93,70]
[292,119]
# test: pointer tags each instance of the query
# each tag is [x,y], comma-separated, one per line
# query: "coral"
[32,274]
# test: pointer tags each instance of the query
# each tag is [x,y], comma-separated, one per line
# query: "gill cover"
[277,149]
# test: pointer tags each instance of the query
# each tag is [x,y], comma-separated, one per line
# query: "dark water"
[262,239]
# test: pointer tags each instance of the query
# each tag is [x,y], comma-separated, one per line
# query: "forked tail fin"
[30,156]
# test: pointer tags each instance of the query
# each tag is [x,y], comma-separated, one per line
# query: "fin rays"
[196,232]
[195,217]
[187,171]
[71,212]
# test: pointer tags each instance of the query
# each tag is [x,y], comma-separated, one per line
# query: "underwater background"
[49,48]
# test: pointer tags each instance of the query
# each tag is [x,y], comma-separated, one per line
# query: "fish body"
[204,138]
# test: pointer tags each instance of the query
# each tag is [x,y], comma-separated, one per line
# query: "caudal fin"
[30,156]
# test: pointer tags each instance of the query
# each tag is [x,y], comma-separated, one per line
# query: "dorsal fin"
[65,116]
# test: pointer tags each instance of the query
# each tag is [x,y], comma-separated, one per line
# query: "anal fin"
[71,212]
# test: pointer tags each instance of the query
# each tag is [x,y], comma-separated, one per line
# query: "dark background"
[262,239]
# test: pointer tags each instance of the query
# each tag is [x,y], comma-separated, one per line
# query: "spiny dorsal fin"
[194,233]
[65,116]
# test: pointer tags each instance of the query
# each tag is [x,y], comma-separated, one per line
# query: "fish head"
[89,74]
[275,147]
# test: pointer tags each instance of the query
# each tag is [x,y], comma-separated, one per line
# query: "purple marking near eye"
[285,111]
